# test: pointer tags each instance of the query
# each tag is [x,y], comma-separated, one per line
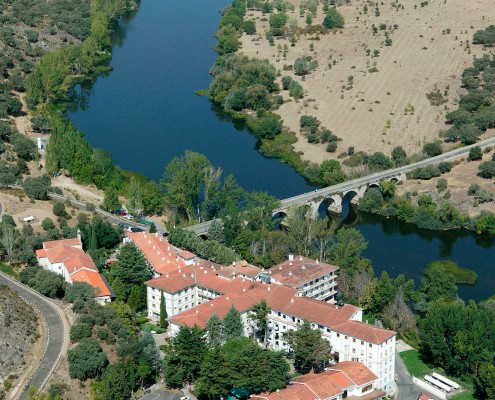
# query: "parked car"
[184,398]
[122,225]
[128,216]
[133,229]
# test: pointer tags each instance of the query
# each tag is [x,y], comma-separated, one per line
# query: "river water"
[145,113]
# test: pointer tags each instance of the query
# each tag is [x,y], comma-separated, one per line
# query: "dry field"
[423,56]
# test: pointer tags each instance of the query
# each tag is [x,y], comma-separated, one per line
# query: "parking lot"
[162,395]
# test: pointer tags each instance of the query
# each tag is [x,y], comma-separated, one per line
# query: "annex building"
[296,290]
[67,258]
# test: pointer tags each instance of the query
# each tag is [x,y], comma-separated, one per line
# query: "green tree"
[232,324]
[311,351]
[37,188]
[260,209]
[215,231]
[131,268]
[333,19]
[249,27]
[347,249]
[485,382]
[277,20]
[163,312]
[475,153]
[487,169]
[260,312]
[152,198]
[215,375]
[111,200]
[86,360]
[117,383]
[432,149]
[137,297]
[135,203]
[436,286]
[214,331]
[182,181]
[398,155]
[184,357]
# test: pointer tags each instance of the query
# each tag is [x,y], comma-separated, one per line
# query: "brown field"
[423,56]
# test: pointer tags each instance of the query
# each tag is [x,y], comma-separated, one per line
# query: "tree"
[485,382]
[249,27]
[23,146]
[37,188]
[215,231]
[347,249]
[296,90]
[184,357]
[8,239]
[487,169]
[379,162]
[163,312]
[153,228]
[216,375]
[152,198]
[86,360]
[48,284]
[137,297]
[260,208]
[436,285]
[432,149]
[182,182]
[311,351]
[111,200]
[214,331]
[79,290]
[475,153]
[117,383]
[260,311]
[398,155]
[277,20]
[135,203]
[232,324]
[333,19]
[131,269]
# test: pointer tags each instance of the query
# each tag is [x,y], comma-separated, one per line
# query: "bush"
[462,275]
[333,19]
[484,196]
[487,169]
[332,146]
[286,80]
[475,153]
[80,330]
[432,149]
[473,189]
[425,173]
[442,184]
[445,166]
[86,360]
[372,200]
[249,27]
[308,121]
[37,188]
[296,90]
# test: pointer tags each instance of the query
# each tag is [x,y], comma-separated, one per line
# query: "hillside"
[19,327]
[375,101]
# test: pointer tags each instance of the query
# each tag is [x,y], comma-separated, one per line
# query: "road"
[306,198]
[57,332]
[406,389]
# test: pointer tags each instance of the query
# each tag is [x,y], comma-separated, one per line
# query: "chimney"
[233,262]
[163,258]
[291,257]
[290,263]
[300,258]
[227,298]
[244,263]
[280,268]
[154,247]
[303,267]
[316,261]
[292,300]
[211,304]
[158,252]
[243,289]
[192,275]
[166,276]
[197,311]
[290,273]
[269,288]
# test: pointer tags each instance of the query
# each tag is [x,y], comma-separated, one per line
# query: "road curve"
[55,328]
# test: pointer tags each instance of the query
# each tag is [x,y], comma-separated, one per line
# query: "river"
[145,113]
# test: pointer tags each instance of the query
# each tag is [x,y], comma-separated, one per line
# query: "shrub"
[308,121]
[86,360]
[473,189]
[442,184]
[445,166]
[475,153]
[332,146]
[296,90]
[249,27]
[425,173]
[372,200]
[487,169]
[333,19]
[286,80]
[432,149]
[79,331]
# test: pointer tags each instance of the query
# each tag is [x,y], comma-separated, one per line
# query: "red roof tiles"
[94,279]
[300,270]
[68,242]
[369,333]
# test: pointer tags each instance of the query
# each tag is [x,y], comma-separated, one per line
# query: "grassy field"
[414,365]
[463,396]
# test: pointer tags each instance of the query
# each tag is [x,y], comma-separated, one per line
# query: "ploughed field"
[376,102]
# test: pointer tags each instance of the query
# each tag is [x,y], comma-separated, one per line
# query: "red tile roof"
[72,257]
[369,333]
[186,255]
[240,268]
[355,371]
[68,242]
[300,270]
[94,279]
[41,253]
[326,384]
[158,251]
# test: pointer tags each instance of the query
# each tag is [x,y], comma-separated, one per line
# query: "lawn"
[8,270]
[463,396]
[414,365]
[152,327]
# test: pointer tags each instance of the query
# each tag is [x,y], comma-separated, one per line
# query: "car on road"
[128,216]
[184,398]
[133,229]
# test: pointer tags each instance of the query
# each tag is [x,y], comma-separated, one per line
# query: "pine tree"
[93,241]
[232,324]
[152,228]
[214,330]
[215,231]
[311,350]
[261,311]
[137,298]
[163,312]
[215,375]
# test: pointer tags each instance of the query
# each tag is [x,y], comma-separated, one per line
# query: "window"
[345,337]
[153,297]
[370,345]
[362,342]
[338,334]
[366,388]
[353,340]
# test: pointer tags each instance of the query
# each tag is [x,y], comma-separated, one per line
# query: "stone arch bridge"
[353,190]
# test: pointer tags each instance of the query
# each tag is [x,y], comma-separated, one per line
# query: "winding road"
[56,328]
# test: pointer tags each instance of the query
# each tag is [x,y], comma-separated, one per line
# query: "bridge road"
[308,197]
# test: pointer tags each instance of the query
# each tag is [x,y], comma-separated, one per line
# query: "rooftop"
[69,242]
[240,268]
[94,279]
[158,251]
[300,270]
[73,258]
[327,384]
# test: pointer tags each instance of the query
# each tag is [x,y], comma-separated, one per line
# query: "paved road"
[56,332]
[406,389]
[306,198]
[162,395]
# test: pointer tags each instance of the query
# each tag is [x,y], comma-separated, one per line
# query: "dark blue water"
[145,112]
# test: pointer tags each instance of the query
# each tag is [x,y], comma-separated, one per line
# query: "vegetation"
[462,275]
[485,37]
[414,364]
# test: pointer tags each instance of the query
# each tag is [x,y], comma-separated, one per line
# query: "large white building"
[296,290]
[351,339]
